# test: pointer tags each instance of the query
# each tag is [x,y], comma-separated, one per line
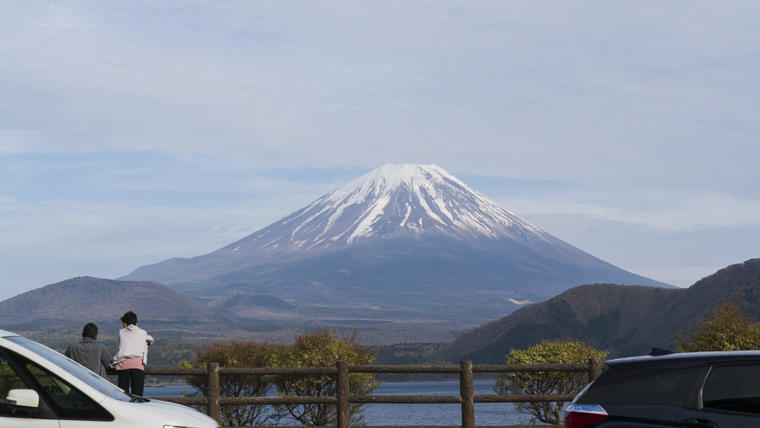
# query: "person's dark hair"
[90,330]
[130,318]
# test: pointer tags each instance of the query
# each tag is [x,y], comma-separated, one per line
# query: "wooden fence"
[343,398]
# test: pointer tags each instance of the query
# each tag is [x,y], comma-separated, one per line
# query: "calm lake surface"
[412,414]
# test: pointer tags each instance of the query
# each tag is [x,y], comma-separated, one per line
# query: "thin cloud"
[661,210]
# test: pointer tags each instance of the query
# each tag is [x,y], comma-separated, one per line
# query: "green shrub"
[554,351]
[321,348]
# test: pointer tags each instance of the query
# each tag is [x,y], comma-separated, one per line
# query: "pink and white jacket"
[133,342]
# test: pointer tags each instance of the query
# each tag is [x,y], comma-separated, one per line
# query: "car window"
[67,402]
[734,388]
[8,380]
[642,386]
[83,374]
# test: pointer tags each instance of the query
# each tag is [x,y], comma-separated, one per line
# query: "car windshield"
[94,381]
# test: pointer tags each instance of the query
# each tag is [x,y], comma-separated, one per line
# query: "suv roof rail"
[656,352]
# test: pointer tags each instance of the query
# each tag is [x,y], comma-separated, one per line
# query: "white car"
[41,388]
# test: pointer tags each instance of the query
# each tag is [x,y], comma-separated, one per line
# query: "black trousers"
[133,377]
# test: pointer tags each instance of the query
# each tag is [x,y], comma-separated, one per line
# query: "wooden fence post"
[213,391]
[467,391]
[595,366]
[342,392]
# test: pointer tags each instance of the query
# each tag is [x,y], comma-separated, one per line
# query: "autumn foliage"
[725,328]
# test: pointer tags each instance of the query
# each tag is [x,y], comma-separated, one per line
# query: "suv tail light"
[583,415]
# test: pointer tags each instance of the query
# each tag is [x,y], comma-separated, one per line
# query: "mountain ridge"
[628,320]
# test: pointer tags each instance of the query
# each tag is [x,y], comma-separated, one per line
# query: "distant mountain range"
[400,242]
[624,320]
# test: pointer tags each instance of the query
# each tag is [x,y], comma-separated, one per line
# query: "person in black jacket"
[88,353]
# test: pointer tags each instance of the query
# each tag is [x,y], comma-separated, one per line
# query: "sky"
[136,131]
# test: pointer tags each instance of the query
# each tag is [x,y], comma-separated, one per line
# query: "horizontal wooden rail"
[519,368]
[405,399]
[522,398]
[478,368]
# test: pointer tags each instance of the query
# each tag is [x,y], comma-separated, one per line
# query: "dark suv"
[693,390]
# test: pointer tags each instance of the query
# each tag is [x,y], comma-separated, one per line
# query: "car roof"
[686,359]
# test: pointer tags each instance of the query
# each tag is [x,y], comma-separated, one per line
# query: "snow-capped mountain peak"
[382,181]
[395,200]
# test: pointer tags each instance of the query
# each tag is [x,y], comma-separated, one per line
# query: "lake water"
[412,414]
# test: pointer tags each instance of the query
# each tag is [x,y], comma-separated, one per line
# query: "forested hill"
[626,320]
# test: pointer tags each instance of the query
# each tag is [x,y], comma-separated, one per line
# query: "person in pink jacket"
[132,356]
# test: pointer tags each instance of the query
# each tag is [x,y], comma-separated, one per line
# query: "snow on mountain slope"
[392,200]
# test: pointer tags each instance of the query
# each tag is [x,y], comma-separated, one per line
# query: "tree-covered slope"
[625,320]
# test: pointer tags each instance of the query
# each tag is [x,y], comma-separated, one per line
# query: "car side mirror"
[24,399]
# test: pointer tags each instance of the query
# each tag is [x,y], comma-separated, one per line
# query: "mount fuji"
[405,240]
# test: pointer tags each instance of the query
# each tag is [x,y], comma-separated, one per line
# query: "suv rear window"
[641,386]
